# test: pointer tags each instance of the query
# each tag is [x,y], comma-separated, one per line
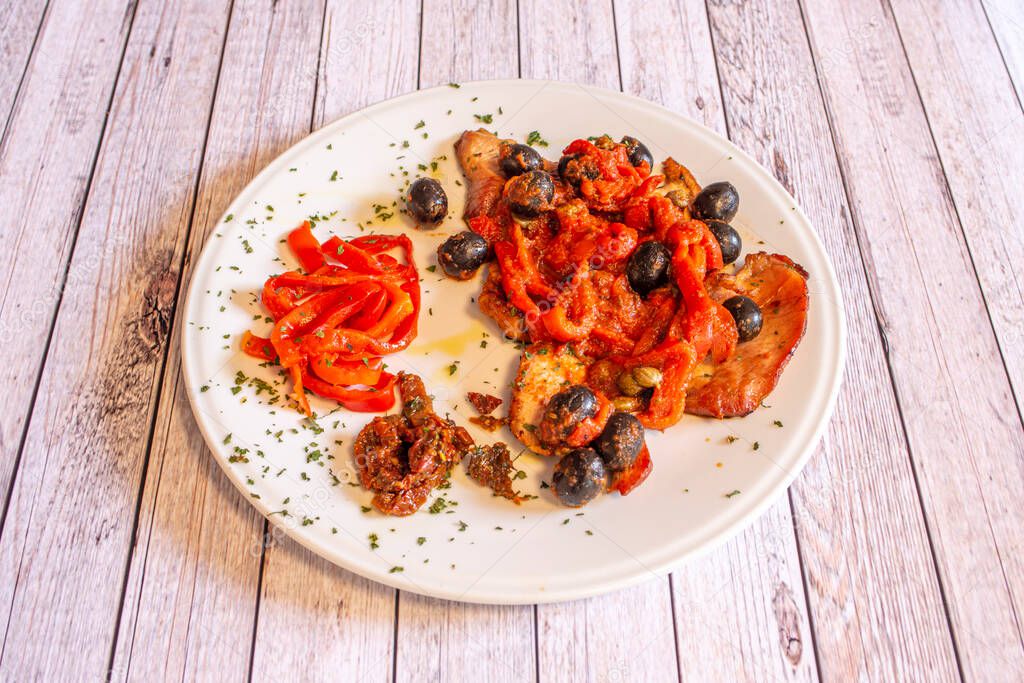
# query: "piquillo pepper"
[332,323]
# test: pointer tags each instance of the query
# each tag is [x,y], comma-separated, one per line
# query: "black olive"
[427,201]
[638,151]
[728,240]
[530,193]
[621,441]
[747,315]
[718,201]
[518,159]
[565,410]
[573,169]
[579,477]
[461,255]
[648,267]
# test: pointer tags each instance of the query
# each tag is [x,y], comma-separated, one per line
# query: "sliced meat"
[737,386]
[477,152]
[544,370]
[495,305]
[680,186]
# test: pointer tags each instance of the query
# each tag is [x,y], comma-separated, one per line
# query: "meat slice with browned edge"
[478,152]
[737,386]
[544,370]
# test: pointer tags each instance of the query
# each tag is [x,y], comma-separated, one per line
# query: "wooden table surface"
[898,554]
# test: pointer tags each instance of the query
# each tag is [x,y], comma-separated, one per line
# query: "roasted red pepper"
[306,248]
[634,475]
[335,321]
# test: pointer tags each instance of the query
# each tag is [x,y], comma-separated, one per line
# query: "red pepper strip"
[486,227]
[513,280]
[617,341]
[700,314]
[634,475]
[557,320]
[331,369]
[712,249]
[304,317]
[664,216]
[535,284]
[376,399]
[306,247]
[657,326]
[352,256]
[278,299]
[561,328]
[617,243]
[331,278]
[405,331]
[668,401]
[590,428]
[258,347]
[340,315]
[372,310]
[378,244]
[401,306]
[298,391]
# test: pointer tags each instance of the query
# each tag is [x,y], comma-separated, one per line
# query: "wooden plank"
[570,41]
[20,23]
[981,146]
[745,602]
[465,41]
[438,639]
[190,602]
[875,601]
[594,639]
[308,605]
[624,636]
[46,162]
[73,504]
[1006,20]
[441,640]
[965,435]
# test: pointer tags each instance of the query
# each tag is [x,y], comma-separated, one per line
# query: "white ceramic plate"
[480,548]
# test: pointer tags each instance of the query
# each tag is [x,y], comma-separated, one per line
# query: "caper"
[627,404]
[628,385]
[681,198]
[646,376]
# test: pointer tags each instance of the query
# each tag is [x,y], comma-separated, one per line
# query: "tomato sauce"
[565,273]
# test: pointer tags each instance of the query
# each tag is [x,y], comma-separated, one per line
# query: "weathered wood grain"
[964,433]
[569,41]
[762,625]
[20,23]
[441,640]
[468,41]
[307,604]
[192,591]
[73,503]
[875,601]
[46,162]
[437,639]
[1006,20]
[981,147]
